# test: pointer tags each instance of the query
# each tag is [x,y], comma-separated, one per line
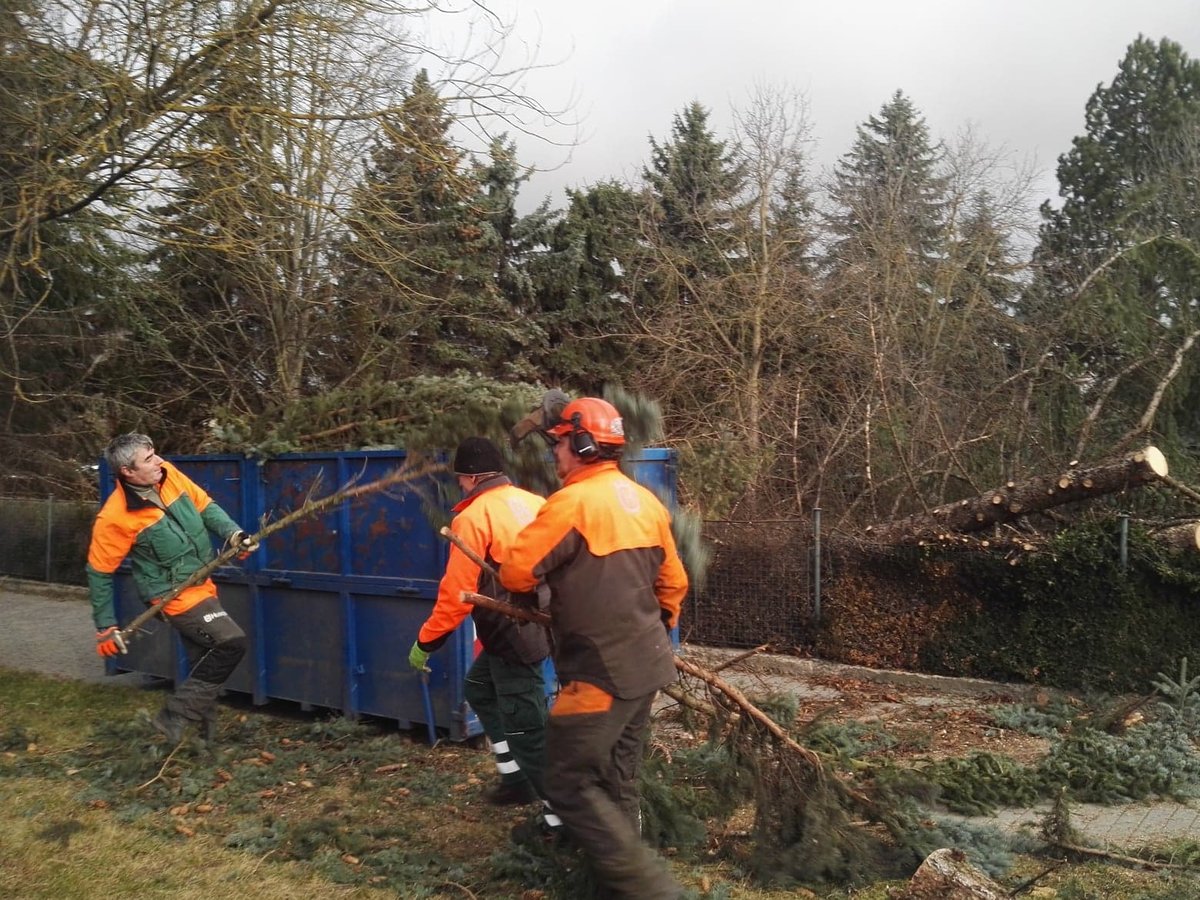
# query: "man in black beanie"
[504,686]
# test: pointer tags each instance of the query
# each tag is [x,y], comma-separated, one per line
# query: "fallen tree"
[1014,500]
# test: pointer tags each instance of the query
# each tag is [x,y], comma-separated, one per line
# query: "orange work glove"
[109,641]
[244,543]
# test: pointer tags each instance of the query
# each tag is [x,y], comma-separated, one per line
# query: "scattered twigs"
[466,891]
[1030,883]
[1119,857]
[403,475]
[688,668]
[733,661]
[161,770]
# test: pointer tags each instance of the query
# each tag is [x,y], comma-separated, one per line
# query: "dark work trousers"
[591,781]
[215,644]
[510,700]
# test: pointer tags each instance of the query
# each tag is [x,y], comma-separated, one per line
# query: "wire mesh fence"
[759,588]
[45,538]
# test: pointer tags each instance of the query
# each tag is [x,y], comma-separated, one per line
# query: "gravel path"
[48,629]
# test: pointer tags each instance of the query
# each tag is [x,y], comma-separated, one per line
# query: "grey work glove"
[546,415]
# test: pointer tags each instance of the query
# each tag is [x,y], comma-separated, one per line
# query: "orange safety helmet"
[589,421]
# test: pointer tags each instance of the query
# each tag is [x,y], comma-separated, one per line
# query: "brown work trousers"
[592,761]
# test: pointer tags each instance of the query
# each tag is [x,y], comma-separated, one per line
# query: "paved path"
[48,629]
[1122,827]
[1119,828]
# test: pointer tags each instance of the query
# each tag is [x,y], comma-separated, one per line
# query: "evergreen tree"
[696,182]
[888,195]
[1120,260]
[983,261]
[585,295]
[67,293]
[423,265]
[236,256]
[520,248]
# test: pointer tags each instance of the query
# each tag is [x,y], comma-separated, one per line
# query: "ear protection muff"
[582,443]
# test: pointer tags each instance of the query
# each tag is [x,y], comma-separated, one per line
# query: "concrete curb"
[49,590]
[777,664]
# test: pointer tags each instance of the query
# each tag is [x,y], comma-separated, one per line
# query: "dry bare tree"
[224,137]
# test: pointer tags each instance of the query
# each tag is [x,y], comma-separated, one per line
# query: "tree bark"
[947,875]
[1180,537]
[1011,502]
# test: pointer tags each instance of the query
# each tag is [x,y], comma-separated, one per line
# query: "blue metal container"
[332,604]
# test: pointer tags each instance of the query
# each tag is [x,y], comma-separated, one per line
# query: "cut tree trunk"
[947,875]
[1180,537]
[1014,500]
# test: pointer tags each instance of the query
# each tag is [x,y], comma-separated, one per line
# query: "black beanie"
[477,456]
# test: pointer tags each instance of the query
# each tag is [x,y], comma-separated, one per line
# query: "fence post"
[49,533]
[817,565]
[1124,543]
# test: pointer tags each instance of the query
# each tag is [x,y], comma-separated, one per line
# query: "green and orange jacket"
[164,546]
[487,520]
[603,545]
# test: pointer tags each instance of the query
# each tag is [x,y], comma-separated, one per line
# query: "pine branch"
[402,475]
[1121,858]
[688,668]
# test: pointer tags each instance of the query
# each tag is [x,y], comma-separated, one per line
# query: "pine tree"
[1120,260]
[984,262]
[520,252]
[889,197]
[697,183]
[585,295]
[423,266]
[68,301]
[235,291]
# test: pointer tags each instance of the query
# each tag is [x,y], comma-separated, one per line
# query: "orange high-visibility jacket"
[487,520]
[164,546]
[603,544]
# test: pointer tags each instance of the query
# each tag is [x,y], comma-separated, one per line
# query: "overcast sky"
[1018,71]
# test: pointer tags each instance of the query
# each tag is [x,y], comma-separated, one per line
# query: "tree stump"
[947,875]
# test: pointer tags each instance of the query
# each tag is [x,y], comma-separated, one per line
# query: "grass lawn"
[288,805]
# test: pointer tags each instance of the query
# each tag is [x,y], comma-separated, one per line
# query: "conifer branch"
[402,475]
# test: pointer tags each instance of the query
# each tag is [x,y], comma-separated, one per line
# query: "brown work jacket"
[603,545]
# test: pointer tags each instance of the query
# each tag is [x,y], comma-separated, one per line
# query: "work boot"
[170,725]
[210,725]
[517,793]
[535,831]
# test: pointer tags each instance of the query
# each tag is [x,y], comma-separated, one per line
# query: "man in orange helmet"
[603,546]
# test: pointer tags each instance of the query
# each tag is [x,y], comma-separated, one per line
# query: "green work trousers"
[591,783]
[510,700]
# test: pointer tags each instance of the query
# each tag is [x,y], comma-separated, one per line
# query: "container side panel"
[654,468]
[390,532]
[311,544]
[221,479]
[304,645]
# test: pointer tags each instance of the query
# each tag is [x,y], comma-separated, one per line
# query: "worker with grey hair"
[161,521]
